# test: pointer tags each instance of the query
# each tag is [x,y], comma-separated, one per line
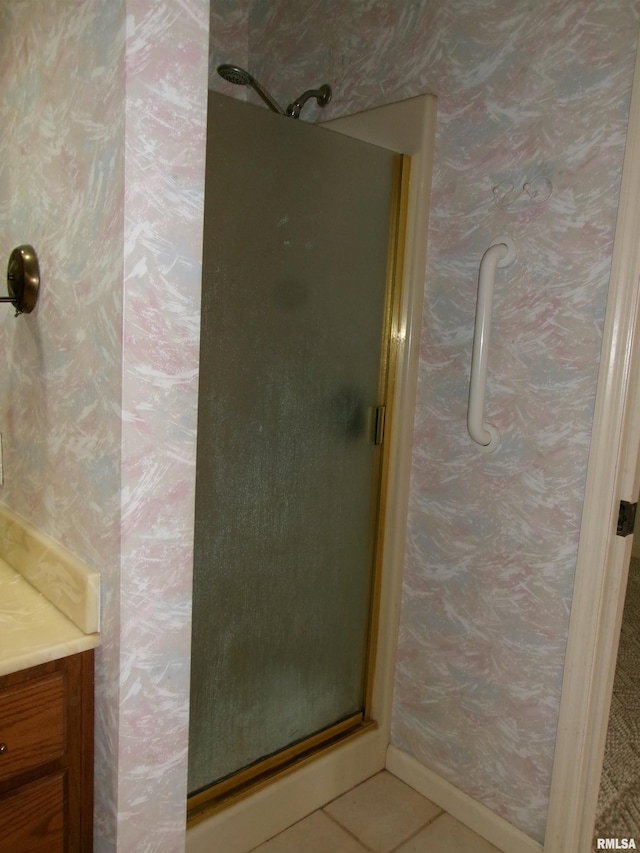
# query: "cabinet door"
[46,757]
[32,729]
[32,819]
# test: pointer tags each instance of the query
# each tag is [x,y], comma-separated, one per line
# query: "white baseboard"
[459,805]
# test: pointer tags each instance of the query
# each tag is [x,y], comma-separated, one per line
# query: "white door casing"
[603,557]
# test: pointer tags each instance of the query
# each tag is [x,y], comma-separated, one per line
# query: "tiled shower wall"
[524,91]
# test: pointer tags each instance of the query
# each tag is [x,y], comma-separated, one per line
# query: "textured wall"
[492,542]
[228,42]
[62,189]
[99,402]
[166,95]
[525,90]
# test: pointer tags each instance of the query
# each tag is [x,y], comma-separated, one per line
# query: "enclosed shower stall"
[298,292]
[304,330]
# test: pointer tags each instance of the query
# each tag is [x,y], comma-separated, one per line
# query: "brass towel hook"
[23,279]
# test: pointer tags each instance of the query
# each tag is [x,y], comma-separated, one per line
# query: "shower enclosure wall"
[337,421]
[300,242]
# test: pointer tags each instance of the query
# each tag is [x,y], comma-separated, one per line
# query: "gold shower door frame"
[219,795]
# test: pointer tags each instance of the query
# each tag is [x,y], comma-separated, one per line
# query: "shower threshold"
[213,799]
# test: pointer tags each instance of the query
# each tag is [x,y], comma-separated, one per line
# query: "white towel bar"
[499,254]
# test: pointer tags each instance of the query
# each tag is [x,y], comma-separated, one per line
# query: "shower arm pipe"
[485,436]
[322,96]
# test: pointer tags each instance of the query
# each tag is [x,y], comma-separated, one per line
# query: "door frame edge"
[603,557]
[408,127]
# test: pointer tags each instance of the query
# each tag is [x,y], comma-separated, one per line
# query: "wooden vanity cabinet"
[46,757]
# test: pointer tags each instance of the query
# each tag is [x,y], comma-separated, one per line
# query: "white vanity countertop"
[32,630]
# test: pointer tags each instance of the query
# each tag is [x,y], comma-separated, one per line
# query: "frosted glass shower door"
[292,370]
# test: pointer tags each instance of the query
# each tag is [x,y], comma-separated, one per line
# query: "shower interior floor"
[382,815]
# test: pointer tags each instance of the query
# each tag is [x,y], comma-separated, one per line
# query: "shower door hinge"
[626,518]
[380,415]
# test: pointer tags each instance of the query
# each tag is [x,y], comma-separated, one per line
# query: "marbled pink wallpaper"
[492,539]
[525,91]
[166,100]
[99,402]
[103,130]
[62,189]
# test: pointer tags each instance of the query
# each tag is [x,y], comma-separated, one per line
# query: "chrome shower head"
[240,77]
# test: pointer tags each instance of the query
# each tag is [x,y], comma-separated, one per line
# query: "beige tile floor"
[382,815]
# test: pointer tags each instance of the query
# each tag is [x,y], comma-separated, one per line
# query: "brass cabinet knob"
[3,748]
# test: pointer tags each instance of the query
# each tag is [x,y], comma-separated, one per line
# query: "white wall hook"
[536,191]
